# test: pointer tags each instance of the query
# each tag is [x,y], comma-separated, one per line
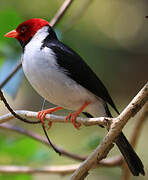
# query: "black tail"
[133,161]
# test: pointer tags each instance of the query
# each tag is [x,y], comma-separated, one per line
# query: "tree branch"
[115,128]
[61,170]
[56,119]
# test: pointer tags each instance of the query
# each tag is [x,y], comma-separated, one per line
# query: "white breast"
[49,80]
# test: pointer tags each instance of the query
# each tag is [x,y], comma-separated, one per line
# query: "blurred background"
[112,37]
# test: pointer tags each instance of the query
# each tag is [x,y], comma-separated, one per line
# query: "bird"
[63,78]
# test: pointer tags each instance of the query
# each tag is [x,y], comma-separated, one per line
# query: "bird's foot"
[73,116]
[41,115]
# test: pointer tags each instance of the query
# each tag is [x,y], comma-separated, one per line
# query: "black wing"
[78,70]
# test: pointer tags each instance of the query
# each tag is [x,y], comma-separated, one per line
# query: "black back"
[76,68]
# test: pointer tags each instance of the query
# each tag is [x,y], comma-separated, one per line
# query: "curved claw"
[41,115]
[72,117]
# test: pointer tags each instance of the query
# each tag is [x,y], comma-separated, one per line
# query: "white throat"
[40,35]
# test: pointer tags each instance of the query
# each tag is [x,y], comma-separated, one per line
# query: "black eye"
[23,29]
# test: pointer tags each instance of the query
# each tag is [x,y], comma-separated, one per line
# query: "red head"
[26,30]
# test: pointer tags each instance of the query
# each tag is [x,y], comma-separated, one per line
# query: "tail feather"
[134,163]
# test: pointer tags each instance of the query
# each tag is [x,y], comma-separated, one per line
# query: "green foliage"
[15,177]
[9,19]
[21,150]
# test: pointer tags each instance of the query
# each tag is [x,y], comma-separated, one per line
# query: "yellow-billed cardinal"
[63,78]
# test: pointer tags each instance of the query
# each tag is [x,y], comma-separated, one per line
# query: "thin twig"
[61,12]
[117,125]
[62,170]
[50,142]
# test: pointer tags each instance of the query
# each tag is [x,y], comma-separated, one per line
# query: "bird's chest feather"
[51,81]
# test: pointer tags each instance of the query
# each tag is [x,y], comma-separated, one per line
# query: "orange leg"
[74,115]
[42,114]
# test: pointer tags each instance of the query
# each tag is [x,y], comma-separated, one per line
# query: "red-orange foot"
[41,115]
[73,116]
